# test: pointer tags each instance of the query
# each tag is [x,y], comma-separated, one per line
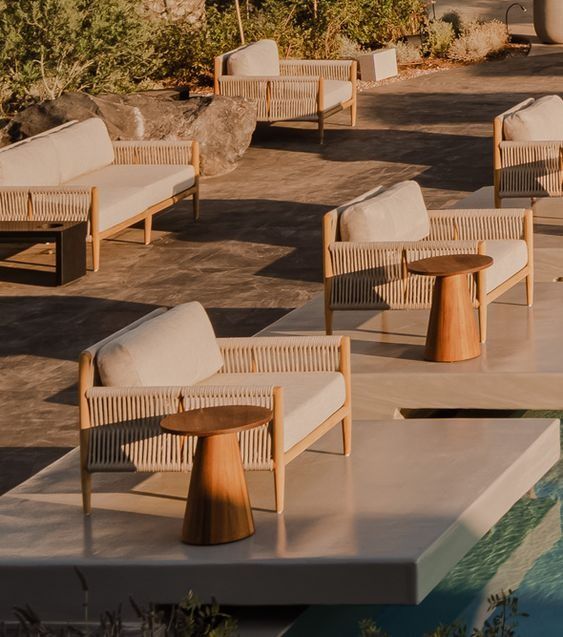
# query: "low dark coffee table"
[69,237]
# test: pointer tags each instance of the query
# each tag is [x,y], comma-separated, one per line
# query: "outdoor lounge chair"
[76,173]
[170,360]
[287,89]
[528,150]
[368,242]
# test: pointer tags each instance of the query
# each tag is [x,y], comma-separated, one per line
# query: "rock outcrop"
[222,125]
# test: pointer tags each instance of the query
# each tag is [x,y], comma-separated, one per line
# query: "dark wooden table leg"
[71,254]
[218,508]
[452,329]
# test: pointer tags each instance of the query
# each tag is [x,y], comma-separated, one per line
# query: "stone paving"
[256,252]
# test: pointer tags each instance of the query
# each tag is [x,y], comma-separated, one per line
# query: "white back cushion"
[541,121]
[260,58]
[175,348]
[82,148]
[30,163]
[396,214]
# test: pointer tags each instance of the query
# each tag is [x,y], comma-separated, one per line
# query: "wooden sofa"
[287,90]
[528,150]
[75,172]
[368,241]
[170,360]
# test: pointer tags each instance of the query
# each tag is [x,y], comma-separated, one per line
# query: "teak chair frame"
[297,94]
[111,409]
[527,169]
[374,276]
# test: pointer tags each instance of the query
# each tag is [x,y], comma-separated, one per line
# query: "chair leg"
[148,230]
[196,205]
[347,434]
[96,253]
[483,321]
[86,480]
[530,289]
[279,486]
[328,321]
[353,113]
[321,129]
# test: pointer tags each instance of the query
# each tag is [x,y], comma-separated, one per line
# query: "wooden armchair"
[360,275]
[170,361]
[287,89]
[528,150]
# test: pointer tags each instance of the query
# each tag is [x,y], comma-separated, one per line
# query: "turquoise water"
[523,552]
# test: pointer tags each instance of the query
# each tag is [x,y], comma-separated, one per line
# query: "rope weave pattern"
[125,433]
[329,69]
[476,225]
[532,169]
[276,98]
[374,276]
[176,153]
[289,354]
[49,203]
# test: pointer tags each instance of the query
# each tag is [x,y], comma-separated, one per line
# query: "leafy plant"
[49,46]
[502,623]
[439,37]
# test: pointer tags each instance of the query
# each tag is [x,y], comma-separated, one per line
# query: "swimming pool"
[523,552]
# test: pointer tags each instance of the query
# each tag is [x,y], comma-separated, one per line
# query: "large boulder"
[191,10]
[222,125]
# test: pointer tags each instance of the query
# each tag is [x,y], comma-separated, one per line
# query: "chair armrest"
[478,225]
[45,203]
[263,354]
[532,169]
[343,70]
[157,152]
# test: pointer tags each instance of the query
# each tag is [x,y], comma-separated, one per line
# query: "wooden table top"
[215,421]
[450,264]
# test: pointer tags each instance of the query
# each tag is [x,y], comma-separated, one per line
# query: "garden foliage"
[52,46]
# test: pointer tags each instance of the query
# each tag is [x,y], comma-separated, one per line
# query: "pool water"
[523,552]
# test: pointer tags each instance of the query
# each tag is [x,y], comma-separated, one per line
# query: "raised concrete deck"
[384,525]
[521,365]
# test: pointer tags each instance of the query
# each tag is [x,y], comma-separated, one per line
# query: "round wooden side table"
[452,334]
[218,508]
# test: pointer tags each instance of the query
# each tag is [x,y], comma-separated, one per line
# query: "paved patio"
[256,253]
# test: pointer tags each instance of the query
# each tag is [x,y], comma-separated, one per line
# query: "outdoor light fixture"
[514,4]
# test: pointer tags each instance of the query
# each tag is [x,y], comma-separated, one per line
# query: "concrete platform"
[521,365]
[382,526]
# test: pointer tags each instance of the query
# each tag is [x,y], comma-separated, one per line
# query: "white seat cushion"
[308,398]
[159,182]
[259,58]
[394,214]
[336,92]
[509,255]
[173,349]
[139,187]
[30,163]
[82,147]
[541,121]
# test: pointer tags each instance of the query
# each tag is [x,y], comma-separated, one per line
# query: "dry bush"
[479,40]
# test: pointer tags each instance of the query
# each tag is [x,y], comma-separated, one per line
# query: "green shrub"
[439,37]
[479,40]
[50,46]
[408,53]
